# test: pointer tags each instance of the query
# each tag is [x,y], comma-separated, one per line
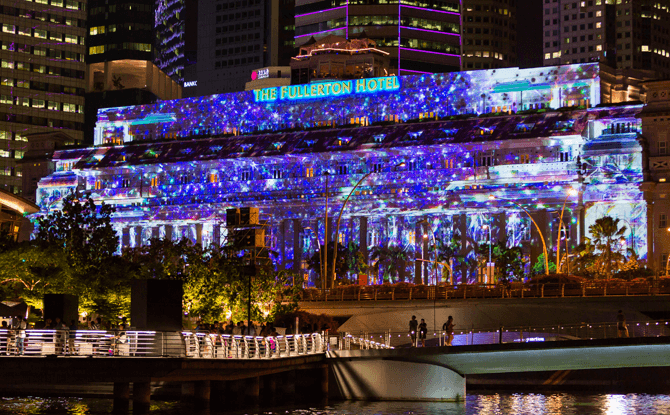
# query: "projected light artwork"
[460,172]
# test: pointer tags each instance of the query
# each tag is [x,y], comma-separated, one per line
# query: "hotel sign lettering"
[327,89]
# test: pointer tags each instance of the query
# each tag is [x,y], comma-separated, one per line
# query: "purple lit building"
[459,156]
[421,38]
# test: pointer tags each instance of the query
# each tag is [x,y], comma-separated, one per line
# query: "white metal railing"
[155,343]
[516,334]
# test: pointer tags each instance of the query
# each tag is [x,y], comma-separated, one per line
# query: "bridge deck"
[529,357]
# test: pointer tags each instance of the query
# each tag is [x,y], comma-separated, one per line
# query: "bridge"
[439,373]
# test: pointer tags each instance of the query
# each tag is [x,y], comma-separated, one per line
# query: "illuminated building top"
[404,98]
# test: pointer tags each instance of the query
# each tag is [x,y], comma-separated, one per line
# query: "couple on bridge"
[422,330]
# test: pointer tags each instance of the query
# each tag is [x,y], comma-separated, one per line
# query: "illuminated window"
[98,30]
[214,177]
[5,153]
[309,172]
[7,64]
[69,107]
[41,34]
[53,106]
[8,28]
[71,39]
[154,181]
[18,154]
[276,174]
[449,164]
[98,184]
[95,50]
[39,103]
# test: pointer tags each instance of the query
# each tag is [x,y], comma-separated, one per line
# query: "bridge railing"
[465,291]
[521,334]
[136,343]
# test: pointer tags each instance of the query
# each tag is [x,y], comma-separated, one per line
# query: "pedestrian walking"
[413,328]
[621,326]
[423,330]
[448,330]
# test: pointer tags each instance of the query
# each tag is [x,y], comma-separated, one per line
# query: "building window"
[214,177]
[125,183]
[276,174]
[98,184]
[8,28]
[154,182]
[662,220]
[95,50]
[246,175]
[309,172]
[342,169]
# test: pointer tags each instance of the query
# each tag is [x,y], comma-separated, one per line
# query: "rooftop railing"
[465,291]
[132,343]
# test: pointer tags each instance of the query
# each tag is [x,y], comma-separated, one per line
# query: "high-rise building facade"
[489,34]
[624,34]
[42,77]
[235,38]
[170,30]
[420,37]
[125,60]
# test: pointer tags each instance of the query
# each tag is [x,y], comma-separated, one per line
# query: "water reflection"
[475,404]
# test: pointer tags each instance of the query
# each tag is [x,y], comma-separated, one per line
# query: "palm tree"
[606,235]
[392,258]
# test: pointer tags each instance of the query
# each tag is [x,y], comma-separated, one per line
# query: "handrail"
[518,334]
[483,291]
[134,343]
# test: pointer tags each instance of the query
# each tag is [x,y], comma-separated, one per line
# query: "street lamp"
[544,245]
[571,192]
[667,263]
[489,227]
[339,217]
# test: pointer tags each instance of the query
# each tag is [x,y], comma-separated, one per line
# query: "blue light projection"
[450,94]
[452,166]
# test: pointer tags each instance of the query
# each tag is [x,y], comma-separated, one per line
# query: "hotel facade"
[466,156]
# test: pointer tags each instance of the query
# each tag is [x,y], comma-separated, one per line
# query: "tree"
[539,266]
[448,250]
[606,236]
[342,267]
[82,234]
[392,259]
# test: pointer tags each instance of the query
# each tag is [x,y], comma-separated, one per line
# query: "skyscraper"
[42,77]
[237,37]
[420,38]
[489,34]
[623,34]
[121,69]
[170,31]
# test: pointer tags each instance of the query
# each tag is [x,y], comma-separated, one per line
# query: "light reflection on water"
[490,403]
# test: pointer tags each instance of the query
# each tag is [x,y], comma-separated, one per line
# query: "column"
[500,227]
[418,246]
[138,236]
[462,224]
[281,242]
[253,388]
[149,75]
[297,249]
[141,397]
[363,237]
[155,232]
[202,391]
[121,397]
[109,85]
[652,261]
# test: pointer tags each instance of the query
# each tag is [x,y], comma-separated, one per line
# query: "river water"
[488,403]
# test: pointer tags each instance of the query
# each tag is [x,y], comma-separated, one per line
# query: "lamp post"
[488,265]
[325,240]
[316,236]
[339,217]
[544,245]
[667,263]
[571,192]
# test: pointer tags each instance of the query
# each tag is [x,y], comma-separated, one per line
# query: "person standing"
[423,329]
[448,330]
[20,328]
[413,328]
[72,334]
[622,327]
